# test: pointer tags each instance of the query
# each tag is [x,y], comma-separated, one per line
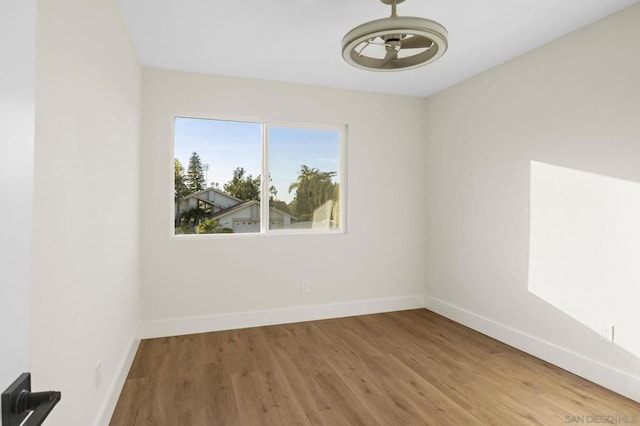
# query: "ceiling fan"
[394,43]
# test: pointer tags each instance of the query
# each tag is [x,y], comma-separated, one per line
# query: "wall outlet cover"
[98,374]
[606,332]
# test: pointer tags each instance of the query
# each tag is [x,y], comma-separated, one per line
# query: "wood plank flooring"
[401,368]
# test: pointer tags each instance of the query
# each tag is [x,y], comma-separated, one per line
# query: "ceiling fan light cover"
[388,27]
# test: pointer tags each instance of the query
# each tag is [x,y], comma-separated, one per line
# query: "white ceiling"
[298,41]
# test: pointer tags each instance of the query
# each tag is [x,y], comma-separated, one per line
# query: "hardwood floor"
[401,368]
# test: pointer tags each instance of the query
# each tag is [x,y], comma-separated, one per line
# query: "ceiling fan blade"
[378,43]
[364,47]
[392,55]
[369,42]
[416,42]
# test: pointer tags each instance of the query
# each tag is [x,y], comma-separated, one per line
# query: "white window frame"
[264,187]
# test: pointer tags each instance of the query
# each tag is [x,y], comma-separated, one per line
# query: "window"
[219,177]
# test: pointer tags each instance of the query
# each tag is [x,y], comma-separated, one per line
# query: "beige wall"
[373,260]
[85,289]
[573,103]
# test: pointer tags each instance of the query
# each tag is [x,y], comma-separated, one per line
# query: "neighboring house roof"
[282,213]
[200,195]
[243,205]
[226,210]
[233,209]
[211,188]
[212,198]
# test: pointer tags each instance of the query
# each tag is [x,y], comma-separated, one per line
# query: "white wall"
[573,103]
[373,260]
[17,123]
[85,290]
[584,238]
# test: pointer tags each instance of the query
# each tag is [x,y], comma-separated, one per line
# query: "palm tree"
[313,188]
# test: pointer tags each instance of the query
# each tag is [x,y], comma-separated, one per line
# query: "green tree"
[280,205]
[313,188]
[243,185]
[273,192]
[193,216]
[180,188]
[195,174]
[185,228]
[209,226]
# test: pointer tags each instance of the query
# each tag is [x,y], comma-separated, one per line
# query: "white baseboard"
[611,378]
[116,385]
[181,326]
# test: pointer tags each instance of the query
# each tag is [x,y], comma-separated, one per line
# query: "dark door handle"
[18,401]
[41,403]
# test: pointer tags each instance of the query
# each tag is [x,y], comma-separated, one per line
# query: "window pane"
[217,176]
[304,169]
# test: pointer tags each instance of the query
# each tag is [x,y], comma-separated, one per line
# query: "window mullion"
[264,187]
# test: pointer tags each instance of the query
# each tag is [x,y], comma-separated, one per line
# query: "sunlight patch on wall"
[584,248]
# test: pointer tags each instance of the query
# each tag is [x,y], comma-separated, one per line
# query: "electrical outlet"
[606,333]
[305,286]
[98,374]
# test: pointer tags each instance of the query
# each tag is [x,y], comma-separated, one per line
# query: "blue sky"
[225,145]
